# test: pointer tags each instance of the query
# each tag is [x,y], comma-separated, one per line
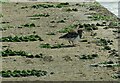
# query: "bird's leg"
[69,42]
[73,43]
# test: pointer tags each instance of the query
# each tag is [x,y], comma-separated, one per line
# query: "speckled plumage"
[71,36]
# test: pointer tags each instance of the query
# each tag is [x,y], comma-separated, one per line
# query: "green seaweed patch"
[107,48]
[94,6]
[45,45]
[67,29]
[5,27]
[52,21]
[9,52]
[70,10]
[60,5]
[51,33]
[24,7]
[21,38]
[100,17]
[42,6]
[90,27]
[39,55]
[40,15]
[64,3]
[34,18]
[23,73]
[4,22]
[29,55]
[1,15]
[113,53]
[109,63]
[114,24]
[86,57]
[81,4]
[116,75]
[61,21]
[51,46]
[105,43]
[29,25]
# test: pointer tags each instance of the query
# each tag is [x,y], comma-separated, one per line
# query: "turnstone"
[72,35]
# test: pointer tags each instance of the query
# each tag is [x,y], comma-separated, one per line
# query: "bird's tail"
[61,37]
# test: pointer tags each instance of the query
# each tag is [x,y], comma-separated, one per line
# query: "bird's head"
[80,31]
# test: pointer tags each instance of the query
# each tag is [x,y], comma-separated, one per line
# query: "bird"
[72,35]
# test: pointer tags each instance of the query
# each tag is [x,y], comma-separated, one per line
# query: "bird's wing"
[70,35]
